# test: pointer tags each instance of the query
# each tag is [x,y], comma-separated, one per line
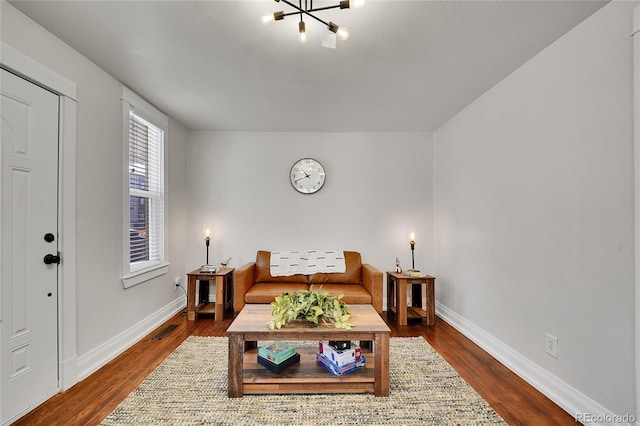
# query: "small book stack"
[278,356]
[208,269]
[414,273]
[340,357]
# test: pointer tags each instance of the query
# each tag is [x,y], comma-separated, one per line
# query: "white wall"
[534,210]
[105,311]
[377,185]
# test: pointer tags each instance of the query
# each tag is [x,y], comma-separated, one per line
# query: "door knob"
[51,258]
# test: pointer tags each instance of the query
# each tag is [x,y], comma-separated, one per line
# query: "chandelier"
[309,10]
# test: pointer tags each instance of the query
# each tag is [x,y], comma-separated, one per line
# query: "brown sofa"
[360,283]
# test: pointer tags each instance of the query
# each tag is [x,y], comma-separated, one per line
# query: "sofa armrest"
[372,281]
[244,278]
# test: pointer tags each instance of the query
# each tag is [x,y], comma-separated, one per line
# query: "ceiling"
[213,65]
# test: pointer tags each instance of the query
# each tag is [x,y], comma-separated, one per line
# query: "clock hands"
[306,176]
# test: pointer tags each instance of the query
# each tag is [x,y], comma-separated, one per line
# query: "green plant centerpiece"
[315,306]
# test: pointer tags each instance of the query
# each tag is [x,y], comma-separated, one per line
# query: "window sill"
[143,275]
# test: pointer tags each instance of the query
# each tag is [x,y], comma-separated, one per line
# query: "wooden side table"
[397,285]
[223,279]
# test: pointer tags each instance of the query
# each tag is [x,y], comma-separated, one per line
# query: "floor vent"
[164,332]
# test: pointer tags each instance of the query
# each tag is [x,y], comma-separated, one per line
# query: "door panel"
[29,187]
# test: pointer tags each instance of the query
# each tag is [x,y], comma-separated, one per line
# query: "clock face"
[307,176]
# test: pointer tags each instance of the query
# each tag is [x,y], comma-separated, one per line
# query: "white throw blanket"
[286,263]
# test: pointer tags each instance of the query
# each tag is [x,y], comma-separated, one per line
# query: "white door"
[28,212]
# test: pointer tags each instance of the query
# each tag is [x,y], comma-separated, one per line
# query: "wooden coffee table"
[246,376]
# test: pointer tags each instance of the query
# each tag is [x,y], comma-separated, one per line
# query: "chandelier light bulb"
[356,4]
[275,16]
[303,32]
[343,33]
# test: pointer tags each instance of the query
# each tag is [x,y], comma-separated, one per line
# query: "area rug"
[190,388]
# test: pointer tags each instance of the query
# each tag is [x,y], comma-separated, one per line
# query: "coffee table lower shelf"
[305,377]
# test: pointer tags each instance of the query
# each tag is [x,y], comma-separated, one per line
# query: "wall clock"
[307,176]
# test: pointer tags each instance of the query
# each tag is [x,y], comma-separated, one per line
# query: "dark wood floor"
[91,400]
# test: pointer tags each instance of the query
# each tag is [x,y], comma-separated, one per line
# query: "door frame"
[19,63]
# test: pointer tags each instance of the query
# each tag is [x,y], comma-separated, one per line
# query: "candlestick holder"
[412,243]
[207,240]
[413,248]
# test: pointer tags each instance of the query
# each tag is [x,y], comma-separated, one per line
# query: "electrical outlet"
[177,282]
[551,345]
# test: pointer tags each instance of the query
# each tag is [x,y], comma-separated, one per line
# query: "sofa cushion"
[267,292]
[352,275]
[354,294]
[263,271]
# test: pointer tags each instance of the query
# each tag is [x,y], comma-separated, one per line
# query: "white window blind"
[146,193]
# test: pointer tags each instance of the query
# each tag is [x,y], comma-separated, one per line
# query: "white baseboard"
[69,373]
[564,395]
[90,362]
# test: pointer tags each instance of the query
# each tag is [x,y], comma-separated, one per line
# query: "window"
[144,216]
